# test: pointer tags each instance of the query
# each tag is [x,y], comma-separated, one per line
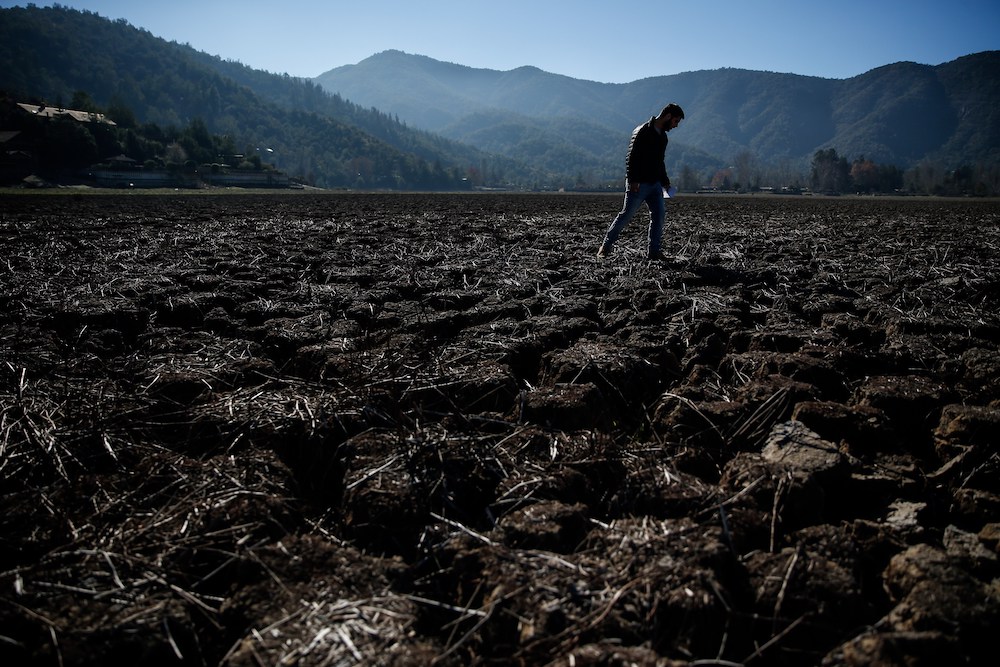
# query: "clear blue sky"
[610,41]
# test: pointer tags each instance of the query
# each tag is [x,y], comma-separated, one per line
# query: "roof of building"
[75,114]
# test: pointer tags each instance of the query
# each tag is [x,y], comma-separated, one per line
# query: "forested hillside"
[51,54]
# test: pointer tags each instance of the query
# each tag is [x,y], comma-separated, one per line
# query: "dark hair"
[673,110]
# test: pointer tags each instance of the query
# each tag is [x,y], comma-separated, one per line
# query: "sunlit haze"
[598,41]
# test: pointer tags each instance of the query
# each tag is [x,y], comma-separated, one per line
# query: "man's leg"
[633,200]
[657,212]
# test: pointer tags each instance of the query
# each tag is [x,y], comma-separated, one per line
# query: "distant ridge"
[900,114]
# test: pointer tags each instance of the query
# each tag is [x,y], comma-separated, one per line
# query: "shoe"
[657,256]
[603,252]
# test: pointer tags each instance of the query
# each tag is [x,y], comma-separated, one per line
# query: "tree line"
[831,172]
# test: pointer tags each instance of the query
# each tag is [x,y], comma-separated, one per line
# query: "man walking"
[645,179]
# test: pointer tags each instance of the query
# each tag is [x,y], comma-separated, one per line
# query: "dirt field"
[434,429]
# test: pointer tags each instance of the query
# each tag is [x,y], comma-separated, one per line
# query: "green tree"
[198,142]
[121,114]
[747,172]
[689,181]
[830,172]
[83,102]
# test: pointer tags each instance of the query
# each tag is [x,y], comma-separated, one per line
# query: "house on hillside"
[44,111]
[24,142]
[23,149]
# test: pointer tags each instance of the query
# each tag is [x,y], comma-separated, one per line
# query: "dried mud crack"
[434,429]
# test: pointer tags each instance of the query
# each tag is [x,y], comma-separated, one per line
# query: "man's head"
[670,117]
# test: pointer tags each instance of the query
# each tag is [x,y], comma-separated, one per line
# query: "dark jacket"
[644,162]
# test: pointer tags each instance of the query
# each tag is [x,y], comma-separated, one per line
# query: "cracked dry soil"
[391,429]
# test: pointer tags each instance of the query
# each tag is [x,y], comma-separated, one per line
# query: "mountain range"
[900,114]
[407,121]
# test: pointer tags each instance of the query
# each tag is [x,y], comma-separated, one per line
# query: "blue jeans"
[652,195]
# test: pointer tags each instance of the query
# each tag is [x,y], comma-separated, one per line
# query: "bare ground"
[433,429]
